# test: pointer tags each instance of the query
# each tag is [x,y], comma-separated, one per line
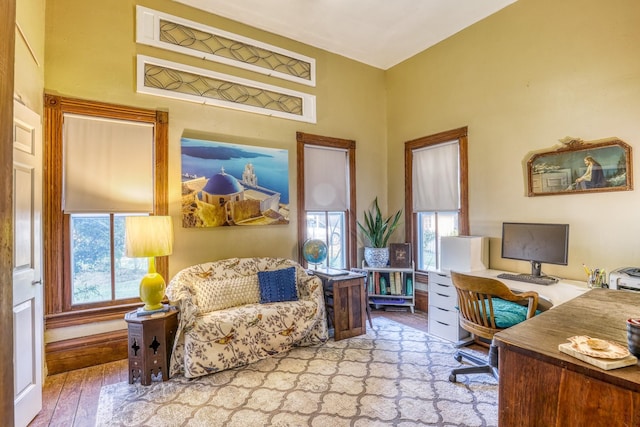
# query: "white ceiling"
[380,33]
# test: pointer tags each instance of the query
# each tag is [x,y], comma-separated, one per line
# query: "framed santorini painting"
[228,184]
[581,167]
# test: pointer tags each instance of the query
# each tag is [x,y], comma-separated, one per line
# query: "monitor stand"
[536,268]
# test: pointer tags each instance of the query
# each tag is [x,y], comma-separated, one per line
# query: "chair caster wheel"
[452,378]
[458,357]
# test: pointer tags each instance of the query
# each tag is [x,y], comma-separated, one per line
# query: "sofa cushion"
[218,294]
[278,285]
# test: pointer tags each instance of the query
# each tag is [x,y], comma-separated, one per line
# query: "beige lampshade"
[148,236]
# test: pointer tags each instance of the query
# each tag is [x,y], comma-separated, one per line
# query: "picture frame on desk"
[400,255]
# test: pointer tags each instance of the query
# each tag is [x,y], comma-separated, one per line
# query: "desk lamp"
[150,236]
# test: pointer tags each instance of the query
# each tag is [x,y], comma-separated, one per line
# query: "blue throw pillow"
[278,285]
[508,313]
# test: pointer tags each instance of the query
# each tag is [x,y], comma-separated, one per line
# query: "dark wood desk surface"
[599,313]
[540,386]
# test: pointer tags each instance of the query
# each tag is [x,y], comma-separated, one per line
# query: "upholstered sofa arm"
[309,287]
[180,293]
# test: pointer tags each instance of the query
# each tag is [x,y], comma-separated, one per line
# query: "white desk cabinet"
[443,314]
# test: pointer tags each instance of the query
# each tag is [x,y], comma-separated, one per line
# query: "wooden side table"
[150,344]
[345,300]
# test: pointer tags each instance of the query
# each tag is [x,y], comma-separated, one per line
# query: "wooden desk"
[540,386]
[345,300]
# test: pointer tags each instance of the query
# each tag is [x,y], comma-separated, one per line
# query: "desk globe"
[314,251]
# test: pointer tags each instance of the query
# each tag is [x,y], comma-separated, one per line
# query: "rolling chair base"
[480,366]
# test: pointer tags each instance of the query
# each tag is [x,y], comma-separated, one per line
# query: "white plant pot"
[376,257]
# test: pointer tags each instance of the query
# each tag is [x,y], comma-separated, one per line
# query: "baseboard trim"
[77,353]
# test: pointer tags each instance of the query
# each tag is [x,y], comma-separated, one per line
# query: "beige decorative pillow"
[218,294]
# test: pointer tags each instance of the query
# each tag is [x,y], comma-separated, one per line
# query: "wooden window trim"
[461,136]
[350,223]
[58,311]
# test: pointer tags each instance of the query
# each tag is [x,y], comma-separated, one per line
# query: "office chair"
[365,273]
[486,306]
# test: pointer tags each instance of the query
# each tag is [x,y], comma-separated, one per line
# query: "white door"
[27,262]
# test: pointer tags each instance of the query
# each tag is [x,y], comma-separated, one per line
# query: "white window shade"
[108,165]
[325,179]
[436,182]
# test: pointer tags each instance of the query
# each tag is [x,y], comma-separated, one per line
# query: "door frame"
[7,58]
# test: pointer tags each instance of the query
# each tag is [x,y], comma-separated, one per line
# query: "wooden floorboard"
[67,406]
[71,398]
[89,396]
[50,397]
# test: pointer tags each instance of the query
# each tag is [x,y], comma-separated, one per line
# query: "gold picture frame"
[581,167]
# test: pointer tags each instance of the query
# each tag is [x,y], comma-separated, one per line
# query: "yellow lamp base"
[152,287]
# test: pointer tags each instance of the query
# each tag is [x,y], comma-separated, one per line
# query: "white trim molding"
[169,32]
[173,80]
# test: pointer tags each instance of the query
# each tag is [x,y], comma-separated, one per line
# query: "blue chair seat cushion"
[508,313]
[278,285]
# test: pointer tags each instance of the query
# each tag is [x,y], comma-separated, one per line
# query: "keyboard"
[537,280]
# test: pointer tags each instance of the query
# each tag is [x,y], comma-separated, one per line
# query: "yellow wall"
[533,73]
[520,80]
[90,54]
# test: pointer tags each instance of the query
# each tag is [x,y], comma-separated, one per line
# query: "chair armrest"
[533,302]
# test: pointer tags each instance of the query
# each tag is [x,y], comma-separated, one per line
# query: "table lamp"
[150,236]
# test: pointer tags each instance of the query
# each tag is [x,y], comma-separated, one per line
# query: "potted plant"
[377,231]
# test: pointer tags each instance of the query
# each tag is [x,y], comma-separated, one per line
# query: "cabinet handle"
[36,282]
[442,295]
[442,323]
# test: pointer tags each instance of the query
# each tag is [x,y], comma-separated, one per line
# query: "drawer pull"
[442,323]
[442,309]
[443,285]
[442,295]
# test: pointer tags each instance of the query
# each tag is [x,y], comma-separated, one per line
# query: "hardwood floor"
[71,398]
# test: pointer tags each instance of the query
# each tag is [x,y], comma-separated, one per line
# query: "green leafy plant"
[376,229]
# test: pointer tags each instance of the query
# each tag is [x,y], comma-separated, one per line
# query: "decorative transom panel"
[173,80]
[191,38]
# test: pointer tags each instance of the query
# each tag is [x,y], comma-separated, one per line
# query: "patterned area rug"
[392,376]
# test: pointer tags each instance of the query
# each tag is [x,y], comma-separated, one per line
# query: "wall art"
[581,167]
[178,81]
[158,29]
[228,184]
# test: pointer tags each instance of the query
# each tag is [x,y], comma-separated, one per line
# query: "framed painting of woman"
[581,167]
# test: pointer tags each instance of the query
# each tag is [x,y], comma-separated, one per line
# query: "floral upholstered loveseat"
[223,324]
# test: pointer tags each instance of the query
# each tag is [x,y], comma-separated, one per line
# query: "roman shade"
[108,165]
[325,179]
[436,178]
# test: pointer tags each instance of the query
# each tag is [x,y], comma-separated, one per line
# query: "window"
[326,201]
[99,270]
[437,194]
[86,272]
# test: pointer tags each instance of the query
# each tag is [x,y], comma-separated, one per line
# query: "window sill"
[81,317]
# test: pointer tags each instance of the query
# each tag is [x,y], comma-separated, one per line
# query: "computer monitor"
[536,243]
